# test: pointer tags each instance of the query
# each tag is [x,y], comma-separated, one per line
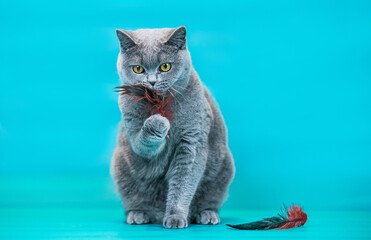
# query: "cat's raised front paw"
[207,217]
[156,126]
[137,217]
[175,221]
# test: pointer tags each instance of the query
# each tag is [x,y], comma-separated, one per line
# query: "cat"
[169,171]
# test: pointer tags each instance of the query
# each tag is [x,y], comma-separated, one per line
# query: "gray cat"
[171,171]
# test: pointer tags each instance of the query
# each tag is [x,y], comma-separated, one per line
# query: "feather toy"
[158,103]
[294,217]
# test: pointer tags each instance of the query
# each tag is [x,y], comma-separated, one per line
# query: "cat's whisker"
[173,95]
[179,86]
[175,98]
[171,87]
[177,91]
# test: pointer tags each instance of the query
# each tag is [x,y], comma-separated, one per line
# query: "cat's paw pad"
[156,126]
[175,221]
[137,217]
[207,217]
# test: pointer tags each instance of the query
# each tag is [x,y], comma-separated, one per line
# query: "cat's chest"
[190,116]
[155,168]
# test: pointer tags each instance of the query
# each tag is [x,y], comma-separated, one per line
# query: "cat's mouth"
[160,101]
[159,87]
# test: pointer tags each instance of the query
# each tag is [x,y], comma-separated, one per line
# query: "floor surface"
[107,223]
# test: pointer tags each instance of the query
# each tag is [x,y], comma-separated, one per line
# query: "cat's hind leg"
[137,217]
[206,217]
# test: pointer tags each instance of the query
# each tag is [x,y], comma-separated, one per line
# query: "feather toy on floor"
[158,102]
[294,217]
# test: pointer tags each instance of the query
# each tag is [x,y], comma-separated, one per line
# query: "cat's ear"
[177,37]
[126,40]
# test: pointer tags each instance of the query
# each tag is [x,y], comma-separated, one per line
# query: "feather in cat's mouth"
[159,102]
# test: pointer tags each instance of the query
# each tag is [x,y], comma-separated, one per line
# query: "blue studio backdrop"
[292,79]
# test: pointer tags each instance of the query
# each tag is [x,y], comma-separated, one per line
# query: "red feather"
[158,103]
[295,217]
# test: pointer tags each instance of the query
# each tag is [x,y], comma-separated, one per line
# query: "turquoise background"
[292,78]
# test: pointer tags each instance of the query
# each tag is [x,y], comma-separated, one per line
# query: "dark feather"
[295,217]
[158,103]
[135,90]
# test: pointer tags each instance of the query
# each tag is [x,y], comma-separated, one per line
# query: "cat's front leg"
[150,140]
[183,177]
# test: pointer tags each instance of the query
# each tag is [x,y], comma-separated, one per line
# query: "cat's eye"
[138,69]
[165,67]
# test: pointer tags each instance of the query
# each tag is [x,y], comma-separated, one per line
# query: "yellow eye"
[165,67]
[138,69]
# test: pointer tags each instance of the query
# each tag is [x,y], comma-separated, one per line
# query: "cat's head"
[157,58]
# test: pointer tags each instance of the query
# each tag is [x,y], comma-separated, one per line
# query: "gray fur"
[178,178]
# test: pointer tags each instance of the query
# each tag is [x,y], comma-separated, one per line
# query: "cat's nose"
[152,82]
